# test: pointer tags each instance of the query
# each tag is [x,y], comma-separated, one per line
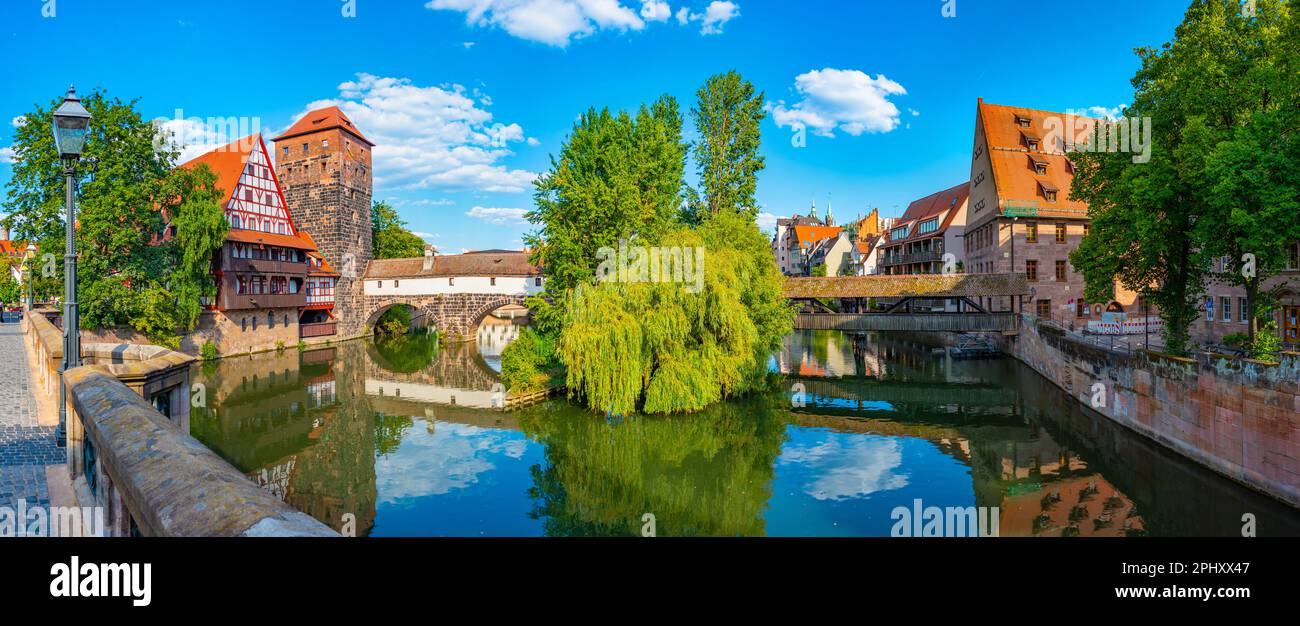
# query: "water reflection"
[400,434]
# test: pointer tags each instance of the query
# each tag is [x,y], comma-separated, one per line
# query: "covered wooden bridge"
[915,303]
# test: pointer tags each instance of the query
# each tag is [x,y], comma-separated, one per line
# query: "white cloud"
[560,22]
[6,155]
[496,215]
[714,17]
[468,44]
[1101,112]
[18,121]
[431,137]
[767,221]
[194,136]
[425,236]
[847,100]
[655,11]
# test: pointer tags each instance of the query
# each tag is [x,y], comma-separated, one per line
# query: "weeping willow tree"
[661,347]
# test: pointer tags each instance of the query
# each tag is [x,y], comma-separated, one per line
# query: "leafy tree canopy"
[131,271]
[389,235]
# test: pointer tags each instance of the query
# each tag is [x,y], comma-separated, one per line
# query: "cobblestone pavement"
[25,447]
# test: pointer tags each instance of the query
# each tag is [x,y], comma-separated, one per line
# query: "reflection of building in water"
[459,376]
[496,332]
[286,422]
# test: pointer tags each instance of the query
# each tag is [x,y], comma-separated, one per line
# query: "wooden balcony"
[267,267]
[238,301]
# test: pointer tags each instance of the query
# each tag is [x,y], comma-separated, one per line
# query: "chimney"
[428,257]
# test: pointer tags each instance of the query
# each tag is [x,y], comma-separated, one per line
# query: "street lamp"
[71,121]
[31,303]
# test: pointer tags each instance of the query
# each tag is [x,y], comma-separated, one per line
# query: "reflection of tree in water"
[388,432]
[708,473]
[405,353]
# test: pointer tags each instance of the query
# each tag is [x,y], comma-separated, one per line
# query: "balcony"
[322,329]
[912,257]
[230,300]
[267,267]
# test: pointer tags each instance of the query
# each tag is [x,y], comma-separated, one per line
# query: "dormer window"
[1030,139]
[1023,121]
[1038,162]
[1048,189]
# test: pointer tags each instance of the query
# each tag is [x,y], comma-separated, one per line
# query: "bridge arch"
[456,316]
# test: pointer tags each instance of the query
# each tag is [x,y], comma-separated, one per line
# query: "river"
[399,438]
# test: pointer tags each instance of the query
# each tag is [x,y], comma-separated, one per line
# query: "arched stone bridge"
[456,316]
[452,293]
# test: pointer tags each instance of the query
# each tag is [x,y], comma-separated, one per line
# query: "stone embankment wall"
[1239,417]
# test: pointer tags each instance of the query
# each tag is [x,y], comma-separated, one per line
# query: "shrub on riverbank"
[529,363]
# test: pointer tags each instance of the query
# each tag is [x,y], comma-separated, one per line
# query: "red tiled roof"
[950,200]
[809,235]
[1015,178]
[322,119]
[937,203]
[296,242]
[227,162]
[495,263]
[13,248]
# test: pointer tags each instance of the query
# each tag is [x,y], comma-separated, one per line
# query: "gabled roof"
[322,119]
[1013,175]
[227,162]
[938,202]
[946,203]
[808,236]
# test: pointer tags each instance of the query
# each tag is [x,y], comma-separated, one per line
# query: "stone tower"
[324,165]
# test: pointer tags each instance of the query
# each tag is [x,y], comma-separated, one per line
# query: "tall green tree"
[617,176]
[391,239]
[1250,172]
[728,115]
[128,193]
[1213,95]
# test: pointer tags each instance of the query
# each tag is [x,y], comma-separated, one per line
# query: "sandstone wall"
[1238,417]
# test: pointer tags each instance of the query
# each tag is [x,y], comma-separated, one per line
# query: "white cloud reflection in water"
[848,467]
[453,456]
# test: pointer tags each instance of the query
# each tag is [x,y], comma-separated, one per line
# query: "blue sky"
[469,98]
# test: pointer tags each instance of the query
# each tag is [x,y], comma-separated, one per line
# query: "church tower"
[324,166]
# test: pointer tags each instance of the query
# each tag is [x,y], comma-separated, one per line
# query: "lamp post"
[71,121]
[27,267]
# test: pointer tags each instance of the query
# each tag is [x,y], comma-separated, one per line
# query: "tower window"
[325,143]
[286,151]
[304,148]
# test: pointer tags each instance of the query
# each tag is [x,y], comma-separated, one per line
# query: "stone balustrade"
[155,480]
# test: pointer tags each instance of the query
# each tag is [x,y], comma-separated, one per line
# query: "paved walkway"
[25,447]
